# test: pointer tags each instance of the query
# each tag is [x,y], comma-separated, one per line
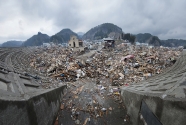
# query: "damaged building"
[75,44]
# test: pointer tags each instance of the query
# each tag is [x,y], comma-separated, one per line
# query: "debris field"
[94,79]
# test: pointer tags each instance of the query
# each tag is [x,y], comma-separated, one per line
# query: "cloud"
[20,19]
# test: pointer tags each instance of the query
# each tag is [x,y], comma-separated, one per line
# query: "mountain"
[63,36]
[142,38]
[148,38]
[154,40]
[37,40]
[173,42]
[12,43]
[102,31]
[80,34]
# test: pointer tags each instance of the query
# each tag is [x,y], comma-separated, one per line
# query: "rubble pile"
[127,64]
[93,80]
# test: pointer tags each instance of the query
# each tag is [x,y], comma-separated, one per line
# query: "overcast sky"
[21,19]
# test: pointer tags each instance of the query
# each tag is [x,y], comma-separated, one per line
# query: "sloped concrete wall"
[168,112]
[13,113]
[40,109]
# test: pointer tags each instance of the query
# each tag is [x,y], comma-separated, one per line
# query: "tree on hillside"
[122,35]
[126,36]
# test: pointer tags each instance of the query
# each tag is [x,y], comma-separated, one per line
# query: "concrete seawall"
[40,109]
[168,112]
[163,95]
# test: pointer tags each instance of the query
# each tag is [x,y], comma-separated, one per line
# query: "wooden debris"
[62,106]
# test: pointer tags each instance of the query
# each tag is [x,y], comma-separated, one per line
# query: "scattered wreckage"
[105,71]
[130,64]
